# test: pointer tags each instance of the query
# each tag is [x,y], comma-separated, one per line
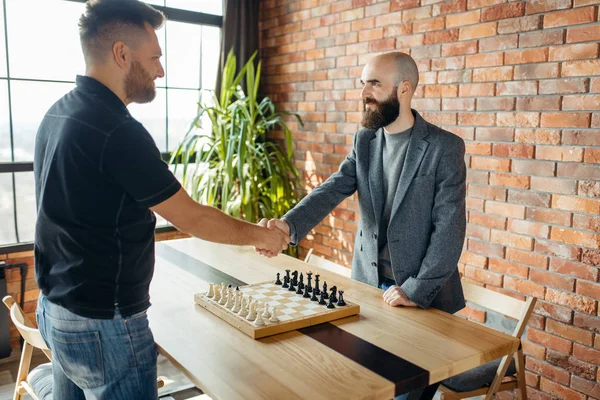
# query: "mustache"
[370,100]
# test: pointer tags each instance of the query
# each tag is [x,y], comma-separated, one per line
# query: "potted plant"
[234,166]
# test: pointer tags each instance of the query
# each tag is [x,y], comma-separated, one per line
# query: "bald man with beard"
[410,178]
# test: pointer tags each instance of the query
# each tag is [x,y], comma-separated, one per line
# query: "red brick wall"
[519,81]
[13,282]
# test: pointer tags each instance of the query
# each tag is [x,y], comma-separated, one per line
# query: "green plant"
[235,167]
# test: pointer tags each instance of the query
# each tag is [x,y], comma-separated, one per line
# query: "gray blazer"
[427,225]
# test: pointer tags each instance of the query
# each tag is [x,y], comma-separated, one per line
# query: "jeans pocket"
[79,354]
[142,341]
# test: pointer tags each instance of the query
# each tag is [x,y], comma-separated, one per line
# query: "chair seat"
[40,379]
[477,378]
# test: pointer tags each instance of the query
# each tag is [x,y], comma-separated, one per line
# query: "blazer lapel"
[376,173]
[414,155]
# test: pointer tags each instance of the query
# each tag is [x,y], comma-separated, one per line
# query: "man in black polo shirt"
[99,177]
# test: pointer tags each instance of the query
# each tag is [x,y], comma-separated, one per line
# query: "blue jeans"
[98,358]
[430,390]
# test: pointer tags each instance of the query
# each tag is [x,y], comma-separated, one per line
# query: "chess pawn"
[237,305]
[306,294]
[274,316]
[210,293]
[229,304]
[266,314]
[217,294]
[252,313]
[330,305]
[259,321]
[224,296]
[278,280]
[244,310]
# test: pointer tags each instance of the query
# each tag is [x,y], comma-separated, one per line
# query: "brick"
[573,52]
[417,13]
[557,250]
[478,232]
[581,103]
[486,192]
[575,269]
[563,86]
[581,138]
[588,222]
[485,60]
[483,276]
[508,180]
[528,228]
[526,56]
[572,333]
[487,220]
[539,103]
[392,18]
[580,15]
[595,85]
[527,258]
[583,34]
[460,48]
[523,24]
[537,136]
[536,71]
[577,367]
[396,30]
[475,89]
[503,11]
[540,6]
[495,104]
[543,38]
[549,341]
[448,63]
[494,134]
[519,88]
[416,40]
[426,52]
[480,177]
[547,370]
[381,45]
[488,163]
[568,120]
[478,31]
[588,387]
[508,268]
[532,349]
[553,185]
[588,289]
[587,322]
[529,198]
[581,68]
[432,24]
[567,154]
[532,379]
[493,74]
[474,259]
[454,76]
[560,391]
[580,171]
[580,238]
[474,204]
[518,119]
[477,119]
[458,104]
[504,42]
[553,311]
[592,156]
[489,249]
[511,240]
[471,4]
[462,19]
[403,4]
[571,300]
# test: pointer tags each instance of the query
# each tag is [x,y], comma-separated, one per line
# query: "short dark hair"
[107,21]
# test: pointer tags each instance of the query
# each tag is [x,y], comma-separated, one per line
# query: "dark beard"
[139,86]
[386,112]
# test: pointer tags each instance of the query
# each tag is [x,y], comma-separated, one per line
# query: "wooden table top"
[383,352]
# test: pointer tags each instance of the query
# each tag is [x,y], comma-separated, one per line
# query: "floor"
[177,386]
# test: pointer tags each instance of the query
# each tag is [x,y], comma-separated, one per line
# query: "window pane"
[7,212]
[211,45]
[214,7]
[2,44]
[30,102]
[183,108]
[183,54]
[152,116]
[26,211]
[53,50]
[4,123]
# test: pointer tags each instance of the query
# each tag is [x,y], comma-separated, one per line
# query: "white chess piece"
[244,311]
[252,313]
[259,321]
[274,315]
[237,305]
[210,293]
[229,303]
[217,295]
[266,314]
[223,295]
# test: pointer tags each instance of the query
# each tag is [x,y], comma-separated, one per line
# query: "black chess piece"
[301,283]
[308,279]
[299,291]
[322,300]
[286,279]
[314,296]
[330,305]
[278,281]
[306,294]
[325,290]
[333,294]
[295,278]
[317,290]
[287,273]
[341,301]
[237,288]
[291,288]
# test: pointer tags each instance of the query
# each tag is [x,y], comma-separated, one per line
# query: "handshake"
[275,238]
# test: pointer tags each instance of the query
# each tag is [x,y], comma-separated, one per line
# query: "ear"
[121,54]
[405,88]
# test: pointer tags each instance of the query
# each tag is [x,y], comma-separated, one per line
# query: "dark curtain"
[240,32]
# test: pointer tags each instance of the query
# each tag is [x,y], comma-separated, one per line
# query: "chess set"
[269,308]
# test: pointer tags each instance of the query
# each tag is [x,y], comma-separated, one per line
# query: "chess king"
[410,177]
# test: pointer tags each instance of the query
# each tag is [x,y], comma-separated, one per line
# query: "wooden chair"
[493,377]
[322,263]
[38,382]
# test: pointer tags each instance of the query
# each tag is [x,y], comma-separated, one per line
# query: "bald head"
[403,65]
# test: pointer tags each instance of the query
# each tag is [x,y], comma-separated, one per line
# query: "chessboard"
[293,309]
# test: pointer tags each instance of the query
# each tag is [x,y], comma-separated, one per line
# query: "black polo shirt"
[97,173]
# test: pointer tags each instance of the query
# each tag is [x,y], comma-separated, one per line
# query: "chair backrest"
[26,328]
[322,263]
[501,303]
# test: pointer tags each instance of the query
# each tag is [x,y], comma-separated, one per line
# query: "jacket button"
[373,264]
[374,236]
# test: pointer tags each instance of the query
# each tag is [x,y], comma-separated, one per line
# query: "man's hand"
[271,241]
[394,296]
[273,225]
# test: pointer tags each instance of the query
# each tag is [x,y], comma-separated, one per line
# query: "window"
[37,69]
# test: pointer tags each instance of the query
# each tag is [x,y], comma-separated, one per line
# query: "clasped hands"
[282,228]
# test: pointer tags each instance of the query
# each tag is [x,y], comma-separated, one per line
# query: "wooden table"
[383,352]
